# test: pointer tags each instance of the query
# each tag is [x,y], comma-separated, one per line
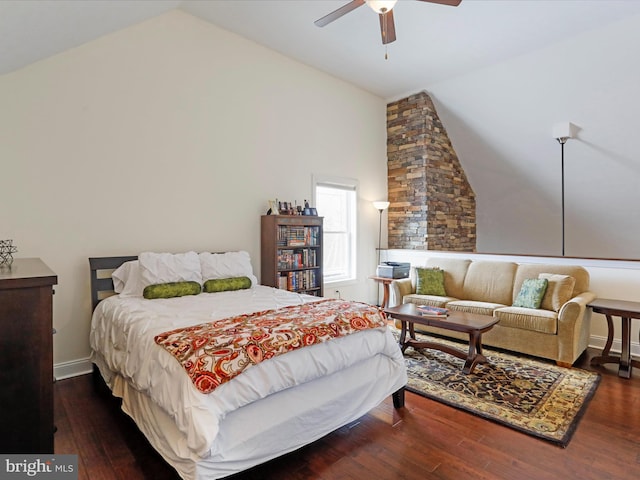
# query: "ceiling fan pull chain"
[386,52]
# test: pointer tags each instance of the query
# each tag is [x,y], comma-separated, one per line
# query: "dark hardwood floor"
[422,441]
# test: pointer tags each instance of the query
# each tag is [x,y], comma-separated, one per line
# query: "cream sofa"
[490,288]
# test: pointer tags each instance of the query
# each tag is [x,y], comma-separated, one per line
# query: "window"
[336,200]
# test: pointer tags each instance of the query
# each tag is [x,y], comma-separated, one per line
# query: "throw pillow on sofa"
[430,281]
[531,293]
[559,291]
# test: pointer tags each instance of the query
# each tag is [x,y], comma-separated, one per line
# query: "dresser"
[26,357]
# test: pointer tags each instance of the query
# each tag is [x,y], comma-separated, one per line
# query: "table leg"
[403,335]
[385,297]
[606,356]
[475,355]
[412,331]
[625,357]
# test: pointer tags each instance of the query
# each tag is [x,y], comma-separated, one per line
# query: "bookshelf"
[291,253]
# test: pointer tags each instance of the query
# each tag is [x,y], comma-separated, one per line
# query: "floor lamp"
[563,132]
[381,207]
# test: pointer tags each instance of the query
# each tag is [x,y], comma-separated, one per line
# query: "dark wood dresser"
[26,357]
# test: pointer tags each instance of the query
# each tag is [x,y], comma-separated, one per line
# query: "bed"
[272,408]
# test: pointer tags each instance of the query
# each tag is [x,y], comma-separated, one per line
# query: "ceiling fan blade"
[336,14]
[452,3]
[387,27]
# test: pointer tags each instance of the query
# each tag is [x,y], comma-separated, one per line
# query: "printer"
[393,270]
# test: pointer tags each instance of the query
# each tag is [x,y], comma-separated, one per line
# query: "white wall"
[172,135]
[608,279]
[500,123]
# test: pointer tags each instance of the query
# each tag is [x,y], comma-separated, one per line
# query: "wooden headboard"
[101,283]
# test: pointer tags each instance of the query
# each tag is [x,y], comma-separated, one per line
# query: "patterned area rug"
[534,396]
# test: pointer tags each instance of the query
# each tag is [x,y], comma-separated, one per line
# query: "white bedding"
[194,431]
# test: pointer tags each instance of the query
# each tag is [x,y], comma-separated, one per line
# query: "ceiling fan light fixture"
[381,6]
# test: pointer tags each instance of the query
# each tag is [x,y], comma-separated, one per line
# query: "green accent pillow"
[170,290]
[531,293]
[430,281]
[227,284]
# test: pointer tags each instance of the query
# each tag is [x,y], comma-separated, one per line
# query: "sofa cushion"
[431,300]
[455,270]
[532,270]
[430,281]
[490,282]
[531,293]
[538,320]
[471,306]
[559,291]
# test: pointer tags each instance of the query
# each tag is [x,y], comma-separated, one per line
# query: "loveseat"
[558,329]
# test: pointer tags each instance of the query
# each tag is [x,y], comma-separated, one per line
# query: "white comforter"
[122,334]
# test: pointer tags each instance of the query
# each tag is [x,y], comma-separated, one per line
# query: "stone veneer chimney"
[432,204]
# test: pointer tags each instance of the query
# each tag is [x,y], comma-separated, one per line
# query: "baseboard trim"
[598,342]
[74,368]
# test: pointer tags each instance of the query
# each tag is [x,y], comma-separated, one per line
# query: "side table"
[385,281]
[626,310]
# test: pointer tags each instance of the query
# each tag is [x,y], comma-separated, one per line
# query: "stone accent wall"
[433,207]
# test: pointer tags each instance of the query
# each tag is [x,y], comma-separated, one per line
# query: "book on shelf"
[289,259]
[433,311]
[297,236]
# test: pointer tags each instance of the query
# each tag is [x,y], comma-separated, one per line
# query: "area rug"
[529,395]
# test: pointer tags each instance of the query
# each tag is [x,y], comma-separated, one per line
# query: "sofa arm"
[400,288]
[574,326]
[575,307]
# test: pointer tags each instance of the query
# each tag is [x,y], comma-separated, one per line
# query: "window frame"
[347,184]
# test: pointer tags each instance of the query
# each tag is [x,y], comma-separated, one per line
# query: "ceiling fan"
[384,8]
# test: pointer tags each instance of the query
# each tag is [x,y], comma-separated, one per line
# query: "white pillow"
[158,268]
[126,279]
[226,265]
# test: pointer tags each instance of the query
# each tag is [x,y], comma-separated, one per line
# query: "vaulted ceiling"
[434,42]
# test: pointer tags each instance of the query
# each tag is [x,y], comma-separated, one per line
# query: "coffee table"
[470,323]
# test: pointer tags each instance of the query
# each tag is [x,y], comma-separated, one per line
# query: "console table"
[626,310]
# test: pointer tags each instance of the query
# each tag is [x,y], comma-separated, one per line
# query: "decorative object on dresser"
[291,253]
[26,357]
[7,249]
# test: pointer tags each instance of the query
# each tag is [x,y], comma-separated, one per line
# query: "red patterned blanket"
[215,352]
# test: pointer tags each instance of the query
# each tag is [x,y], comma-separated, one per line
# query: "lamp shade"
[564,130]
[381,205]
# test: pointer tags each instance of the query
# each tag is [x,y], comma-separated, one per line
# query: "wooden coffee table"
[473,324]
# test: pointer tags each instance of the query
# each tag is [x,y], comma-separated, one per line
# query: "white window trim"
[347,183]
